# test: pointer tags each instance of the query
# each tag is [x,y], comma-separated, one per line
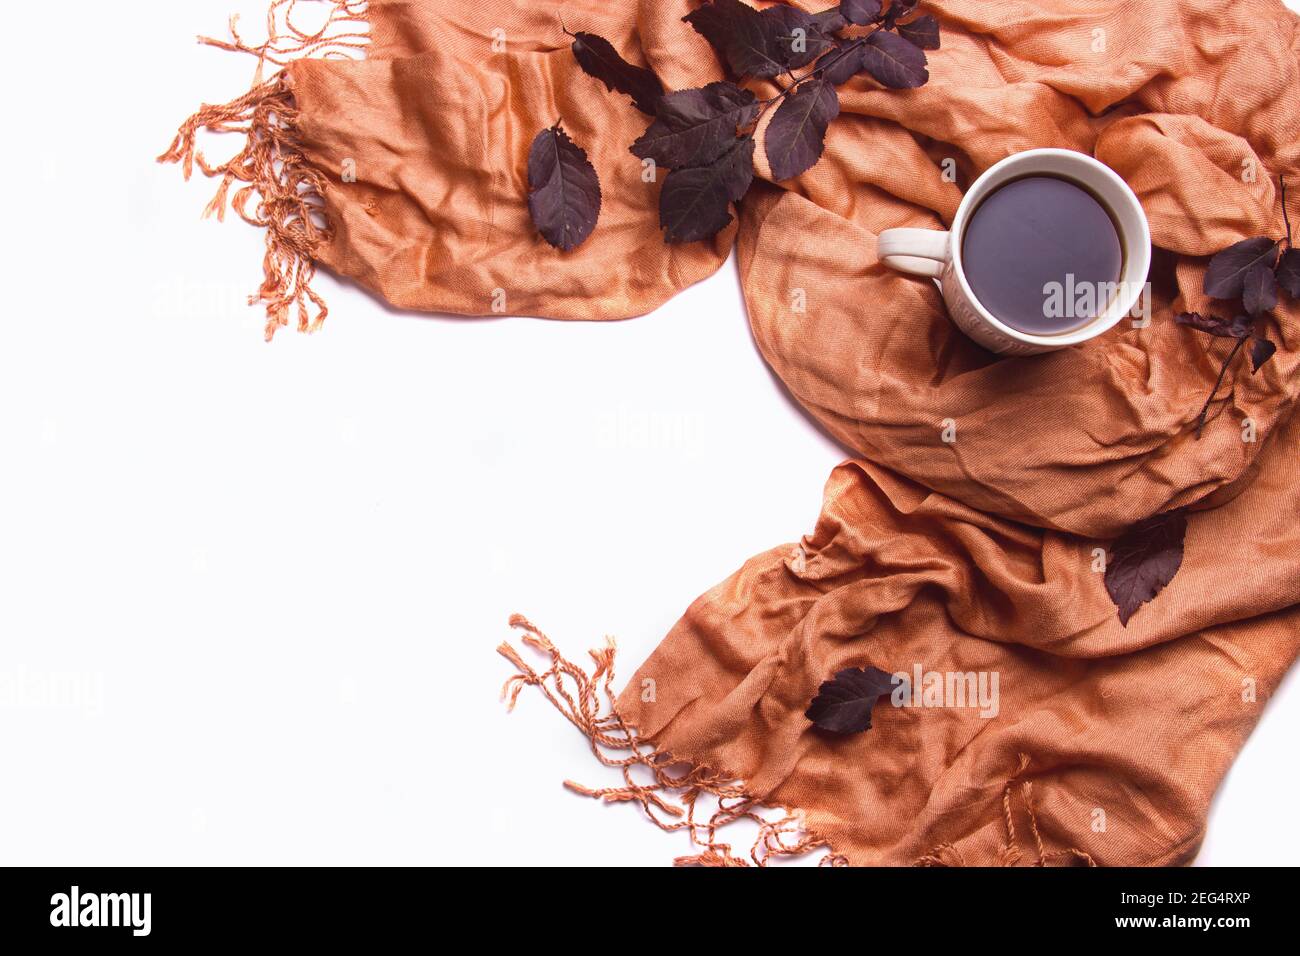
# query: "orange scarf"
[406,172]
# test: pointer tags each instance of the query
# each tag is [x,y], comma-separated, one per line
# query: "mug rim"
[1107,320]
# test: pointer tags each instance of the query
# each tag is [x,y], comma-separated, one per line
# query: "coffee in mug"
[1049,248]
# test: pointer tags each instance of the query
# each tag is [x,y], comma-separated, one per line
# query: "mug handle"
[919,252]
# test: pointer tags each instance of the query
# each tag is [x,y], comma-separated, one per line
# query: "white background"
[250,594]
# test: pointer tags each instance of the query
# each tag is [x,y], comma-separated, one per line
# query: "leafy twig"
[1253,271]
[700,135]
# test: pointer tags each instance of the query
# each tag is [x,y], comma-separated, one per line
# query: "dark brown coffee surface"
[1033,250]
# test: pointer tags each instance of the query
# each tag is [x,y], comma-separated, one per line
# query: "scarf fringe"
[283,193]
[670,800]
[945,854]
[345,33]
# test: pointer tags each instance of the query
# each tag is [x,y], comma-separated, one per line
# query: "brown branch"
[1205,409]
[1285,217]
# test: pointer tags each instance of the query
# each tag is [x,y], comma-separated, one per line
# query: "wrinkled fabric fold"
[1130,728]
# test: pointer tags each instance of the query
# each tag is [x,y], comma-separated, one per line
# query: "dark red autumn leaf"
[860,12]
[1236,328]
[841,65]
[923,31]
[767,43]
[695,127]
[597,56]
[1226,276]
[894,62]
[830,21]
[695,202]
[564,200]
[797,134]
[843,704]
[795,34]
[1288,272]
[1259,289]
[1144,561]
[1261,350]
[744,38]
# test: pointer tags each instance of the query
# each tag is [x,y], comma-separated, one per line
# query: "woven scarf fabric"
[406,173]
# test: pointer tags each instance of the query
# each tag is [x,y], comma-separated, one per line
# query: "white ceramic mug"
[938,255]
